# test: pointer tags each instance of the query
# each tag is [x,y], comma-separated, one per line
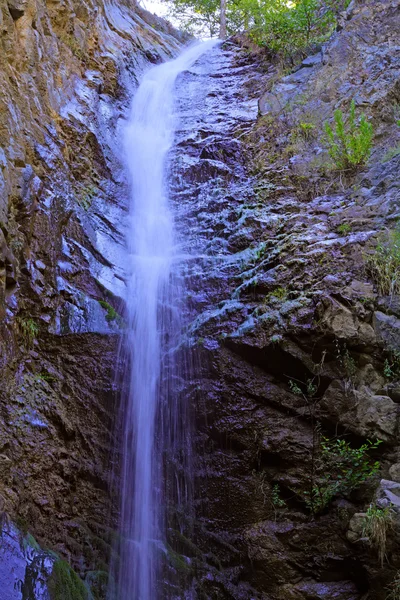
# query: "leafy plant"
[391,367]
[276,499]
[376,525]
[383,265]
[340,469]
[349,141]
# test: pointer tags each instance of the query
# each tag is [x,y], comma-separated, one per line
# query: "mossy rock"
[98,583]
[65,584]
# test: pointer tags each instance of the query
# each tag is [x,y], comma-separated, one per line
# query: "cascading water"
[152,330]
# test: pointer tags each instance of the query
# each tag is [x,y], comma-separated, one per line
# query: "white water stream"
[149,135]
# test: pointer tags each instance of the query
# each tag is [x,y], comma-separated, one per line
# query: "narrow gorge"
[199,309]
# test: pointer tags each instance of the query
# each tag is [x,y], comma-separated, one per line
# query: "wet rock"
[387,329]
[394,472]
[24,567]
[388,494]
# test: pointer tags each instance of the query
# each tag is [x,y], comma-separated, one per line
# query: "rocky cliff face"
[68,70]
[297,338]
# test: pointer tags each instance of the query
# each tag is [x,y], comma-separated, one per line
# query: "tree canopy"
[282,25]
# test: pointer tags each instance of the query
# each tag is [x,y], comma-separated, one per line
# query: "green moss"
[65,584]
[22,524]
[98,583]
[30,541]
[112,314]
[344,229]
[177,561]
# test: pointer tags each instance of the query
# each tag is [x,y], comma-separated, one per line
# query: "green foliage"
[289,28]
[65,584]
[309,392]
[112,314]
[391,367]
[29,330]
[340,470]
[277,501]
[306,130]
[344,229]
[29,541]
[384,265]
[286,28]
[376,525]
[349,140]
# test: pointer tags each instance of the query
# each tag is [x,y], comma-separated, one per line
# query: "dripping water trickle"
[151,419]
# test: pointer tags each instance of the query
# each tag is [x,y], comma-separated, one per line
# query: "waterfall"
[153,328]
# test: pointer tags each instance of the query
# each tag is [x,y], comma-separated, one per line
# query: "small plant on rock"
[383,265]
[340,469]
[349,140]
[391,367]
[377,523]
[112,314]
[344,229]
[277,501]
[306,130]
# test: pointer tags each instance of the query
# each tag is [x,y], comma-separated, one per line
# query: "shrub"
[384,265]
[376,525]
[340,470]
[349,142]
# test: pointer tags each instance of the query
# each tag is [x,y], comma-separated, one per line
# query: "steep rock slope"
[296,338]
[67,73]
